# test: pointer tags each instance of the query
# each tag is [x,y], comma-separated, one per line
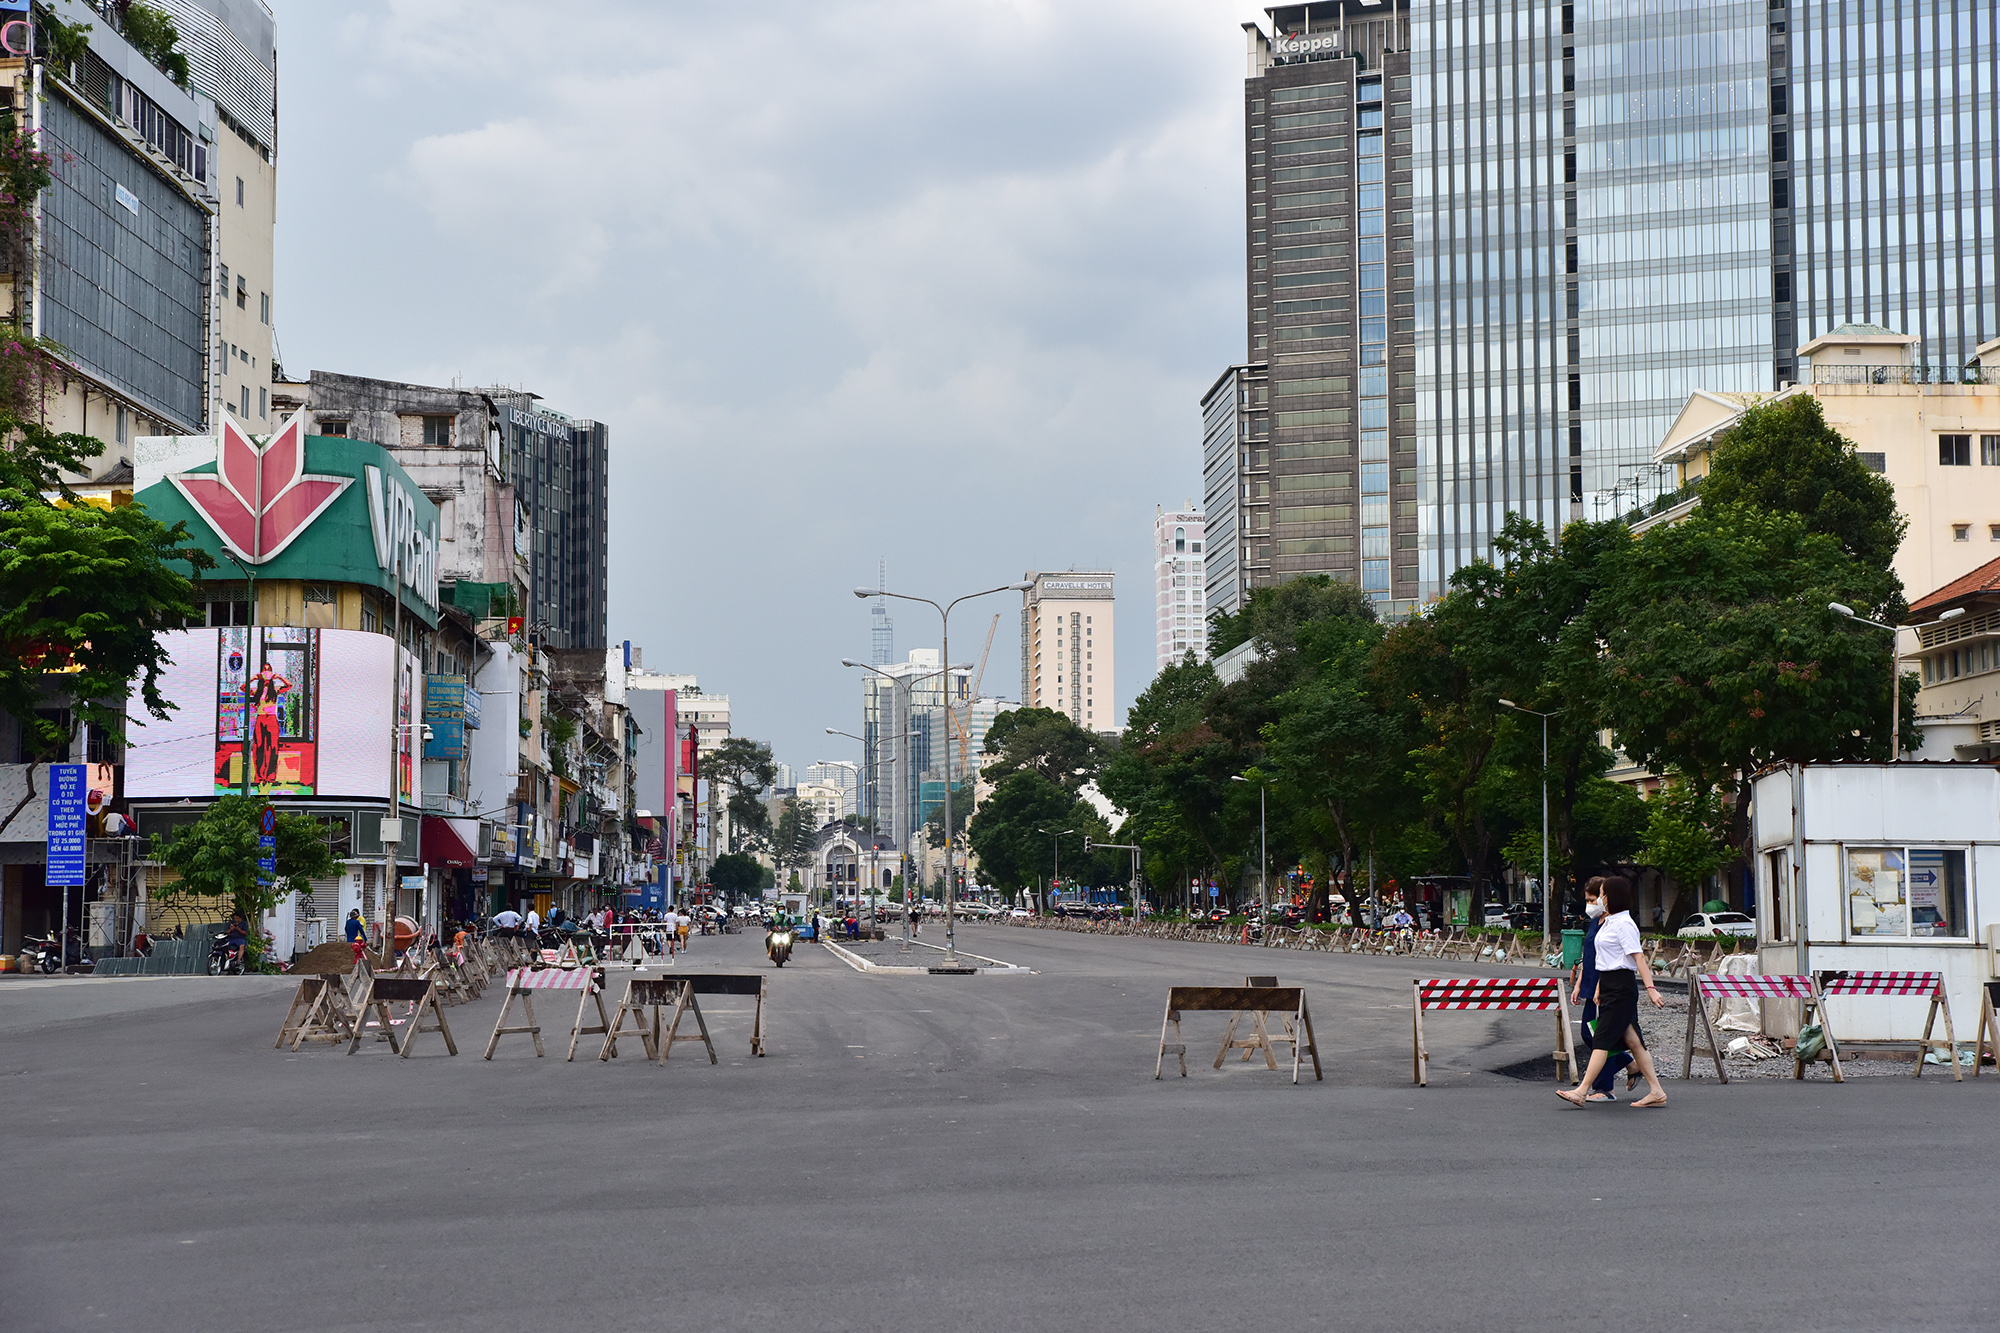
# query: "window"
[1993,531]
[239,192]
[1954,451]
[1961,532]
[1197,545]
[264,307]
[1989,450]
[437,432]
[263,403]
[1905,892]
[242,293]
[335,429]
[246,401]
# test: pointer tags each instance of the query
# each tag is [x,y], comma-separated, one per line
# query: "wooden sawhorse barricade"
[420,993]
[1464,993]
[1918,985]
[1706,986]
[1989,1027]
[522,983]
[645,997]
[1260,1039]
[1237,1001]
[321,1010]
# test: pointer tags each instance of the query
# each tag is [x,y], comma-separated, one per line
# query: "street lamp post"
[1895,668]
[1548,896]
[944,655]
[1263,853]
[1055,837]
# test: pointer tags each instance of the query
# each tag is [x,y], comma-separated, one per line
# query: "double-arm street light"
[1055,836]
[1548,896]
[944,654]
[1895,668]
[908,836]
[1263,850]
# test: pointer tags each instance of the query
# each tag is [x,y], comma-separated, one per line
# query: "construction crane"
[958,718]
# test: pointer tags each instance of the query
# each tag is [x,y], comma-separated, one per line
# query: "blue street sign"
[1215,890]
[67,821]
[268,823]
[1923,877]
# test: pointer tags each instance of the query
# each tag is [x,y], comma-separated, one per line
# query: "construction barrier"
[1237,1001]
[522,983]
[1988,1045]
[420,993]
[1704,987]
[644,998]
[1914,985]
[1468,993]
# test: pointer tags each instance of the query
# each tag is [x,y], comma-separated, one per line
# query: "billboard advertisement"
[307,709]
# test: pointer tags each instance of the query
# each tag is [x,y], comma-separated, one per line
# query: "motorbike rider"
[235,937]
[357,933]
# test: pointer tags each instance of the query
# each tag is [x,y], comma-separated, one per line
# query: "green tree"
[796,834]
[1722,658]
[736,874]
[152,33]
[1046,742]
[1782,457]
[1274,615]
[1687,837]
[217,857]
[84,590]
[961,812]
[746,768]
[1007,834]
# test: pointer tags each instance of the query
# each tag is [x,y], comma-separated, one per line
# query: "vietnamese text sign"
[67,785]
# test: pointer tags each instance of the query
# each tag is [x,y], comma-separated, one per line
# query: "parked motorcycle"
[778,945]
[55,952]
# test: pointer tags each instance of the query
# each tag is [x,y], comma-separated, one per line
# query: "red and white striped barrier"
[1706,986]
[1910,985]
[1473,993]
[549,978]
[523,982]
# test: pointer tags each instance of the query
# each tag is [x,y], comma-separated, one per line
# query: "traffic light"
[1086,844]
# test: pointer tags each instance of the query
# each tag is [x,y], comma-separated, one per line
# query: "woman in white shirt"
[1621,967]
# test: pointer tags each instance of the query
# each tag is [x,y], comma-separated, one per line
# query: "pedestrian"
[684,926]
[357,933]
[534,925]
[1621,968]
[1584,993]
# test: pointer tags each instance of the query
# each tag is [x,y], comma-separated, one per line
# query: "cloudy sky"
[850,280]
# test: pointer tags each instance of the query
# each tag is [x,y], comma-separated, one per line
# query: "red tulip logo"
[260,500]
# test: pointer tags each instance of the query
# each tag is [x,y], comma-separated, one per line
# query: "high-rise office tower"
[560,467]
[1327,473]
[1180,625]
[1236,510]
[1591,210]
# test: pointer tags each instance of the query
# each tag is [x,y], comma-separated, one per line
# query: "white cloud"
[939,284]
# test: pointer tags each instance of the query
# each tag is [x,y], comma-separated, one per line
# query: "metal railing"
[1839,373]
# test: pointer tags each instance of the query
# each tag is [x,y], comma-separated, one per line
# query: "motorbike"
[225,959]
[778,944]
[56,952]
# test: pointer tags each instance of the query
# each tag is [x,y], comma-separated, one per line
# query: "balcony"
[1839,373]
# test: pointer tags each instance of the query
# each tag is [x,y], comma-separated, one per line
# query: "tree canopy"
[746,768]
[217,856]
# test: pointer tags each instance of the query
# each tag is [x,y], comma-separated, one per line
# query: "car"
[1496,916]
[1707,925]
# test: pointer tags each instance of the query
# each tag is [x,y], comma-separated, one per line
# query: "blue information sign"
[67,786]
[267,847]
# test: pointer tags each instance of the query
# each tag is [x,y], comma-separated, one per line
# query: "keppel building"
[1494,247]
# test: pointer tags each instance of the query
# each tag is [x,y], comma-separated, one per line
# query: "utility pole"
[393,820]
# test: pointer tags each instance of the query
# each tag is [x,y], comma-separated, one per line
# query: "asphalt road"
[984,1152]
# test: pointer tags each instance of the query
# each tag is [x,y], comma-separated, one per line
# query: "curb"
[994,966]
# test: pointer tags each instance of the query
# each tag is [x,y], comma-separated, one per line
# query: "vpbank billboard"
[297,506]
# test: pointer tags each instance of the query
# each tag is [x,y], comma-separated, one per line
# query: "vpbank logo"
[260,498]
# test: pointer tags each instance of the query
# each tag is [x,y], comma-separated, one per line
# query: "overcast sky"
[938,284]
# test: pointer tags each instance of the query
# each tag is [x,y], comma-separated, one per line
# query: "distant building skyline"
[1180,586]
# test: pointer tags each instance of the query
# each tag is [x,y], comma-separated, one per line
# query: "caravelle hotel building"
[1066,644]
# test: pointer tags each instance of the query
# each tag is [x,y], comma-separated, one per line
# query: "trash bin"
[1572,947]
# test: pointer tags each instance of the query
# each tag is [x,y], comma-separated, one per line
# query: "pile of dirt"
[334,958]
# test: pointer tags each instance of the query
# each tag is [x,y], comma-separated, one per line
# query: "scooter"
[56,952]
[778,944]
[224,959]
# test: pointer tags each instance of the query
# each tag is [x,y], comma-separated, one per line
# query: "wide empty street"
[976,1152]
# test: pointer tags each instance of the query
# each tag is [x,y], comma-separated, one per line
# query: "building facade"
[1180,624]
[1067,641]
[1588,212]
[1236,484]
[560,466]
[841,775]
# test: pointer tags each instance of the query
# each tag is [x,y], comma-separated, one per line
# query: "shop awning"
[451,842]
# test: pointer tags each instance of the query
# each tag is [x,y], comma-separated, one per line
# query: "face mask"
[1593,909]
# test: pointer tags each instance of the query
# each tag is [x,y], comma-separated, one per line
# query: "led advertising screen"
[312,705]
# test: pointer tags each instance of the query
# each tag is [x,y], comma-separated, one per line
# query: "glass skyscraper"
[1611,203]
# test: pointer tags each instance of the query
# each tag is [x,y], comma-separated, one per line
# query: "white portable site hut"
[1889,867]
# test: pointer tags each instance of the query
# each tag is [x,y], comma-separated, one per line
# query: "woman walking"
[1584,994]
[1621,967]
